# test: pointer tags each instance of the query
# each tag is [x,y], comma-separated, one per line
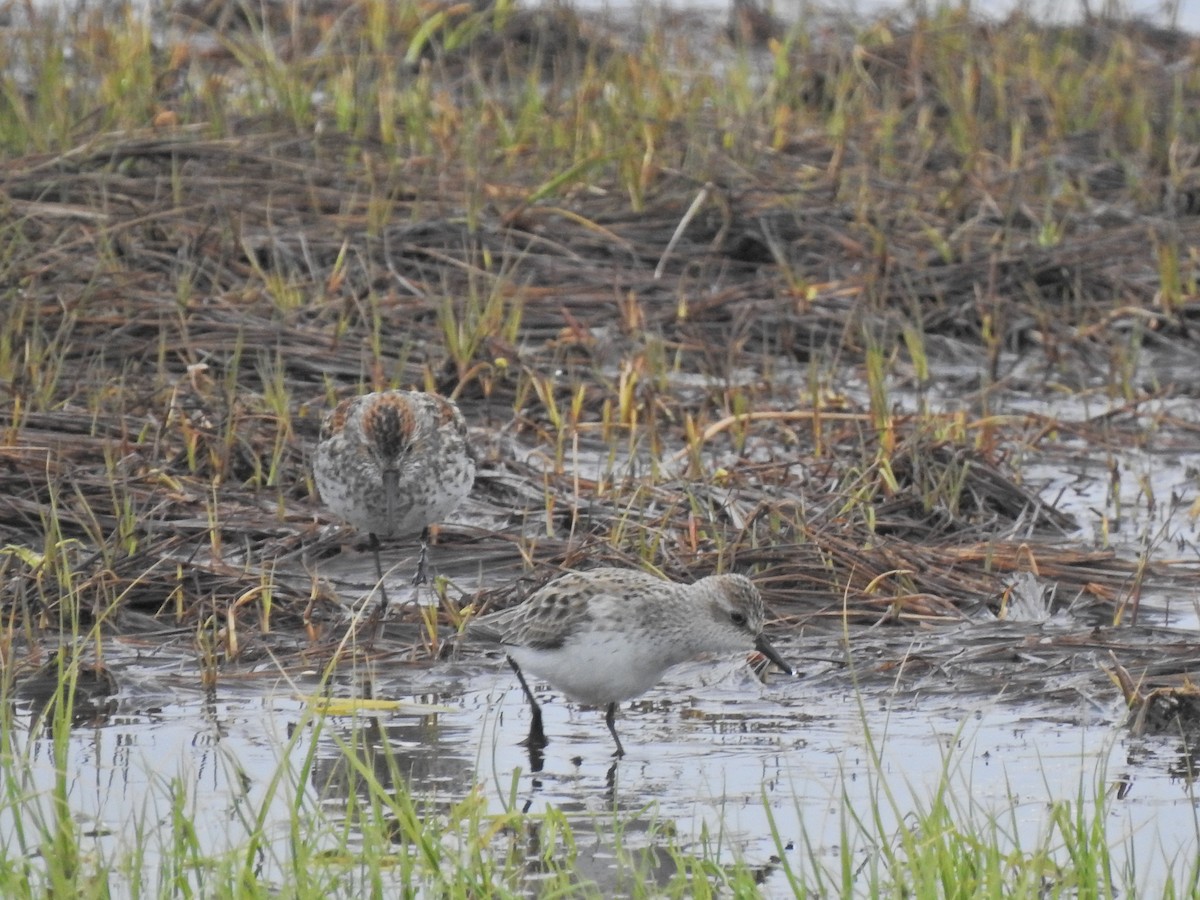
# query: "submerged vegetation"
[802,307]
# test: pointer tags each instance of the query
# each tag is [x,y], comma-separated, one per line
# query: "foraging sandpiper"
[606,635]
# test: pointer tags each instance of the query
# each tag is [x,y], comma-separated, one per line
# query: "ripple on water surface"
[711,752]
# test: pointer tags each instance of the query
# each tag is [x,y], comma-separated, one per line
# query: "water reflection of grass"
[335,818]
[706,306]
[902,837]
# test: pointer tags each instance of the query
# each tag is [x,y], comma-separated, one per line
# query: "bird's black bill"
[763,646]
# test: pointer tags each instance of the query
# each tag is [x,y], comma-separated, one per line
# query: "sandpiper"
[393,463]
[606,635]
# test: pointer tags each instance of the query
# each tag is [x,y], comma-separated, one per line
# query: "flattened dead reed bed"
[660,375]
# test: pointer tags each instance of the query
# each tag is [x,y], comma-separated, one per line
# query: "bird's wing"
[559,609]
[490,628]
[541,625]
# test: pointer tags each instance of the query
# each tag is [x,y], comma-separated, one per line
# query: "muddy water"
[713,754]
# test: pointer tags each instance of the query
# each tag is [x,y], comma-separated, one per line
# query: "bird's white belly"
[597,668]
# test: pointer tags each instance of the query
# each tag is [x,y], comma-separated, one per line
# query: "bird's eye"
[738,619]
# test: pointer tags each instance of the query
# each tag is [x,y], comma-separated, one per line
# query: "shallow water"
[712,751]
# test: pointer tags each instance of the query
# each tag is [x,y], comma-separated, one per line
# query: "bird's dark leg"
[383,598]
[422,576]
[537,735]
[609,720]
